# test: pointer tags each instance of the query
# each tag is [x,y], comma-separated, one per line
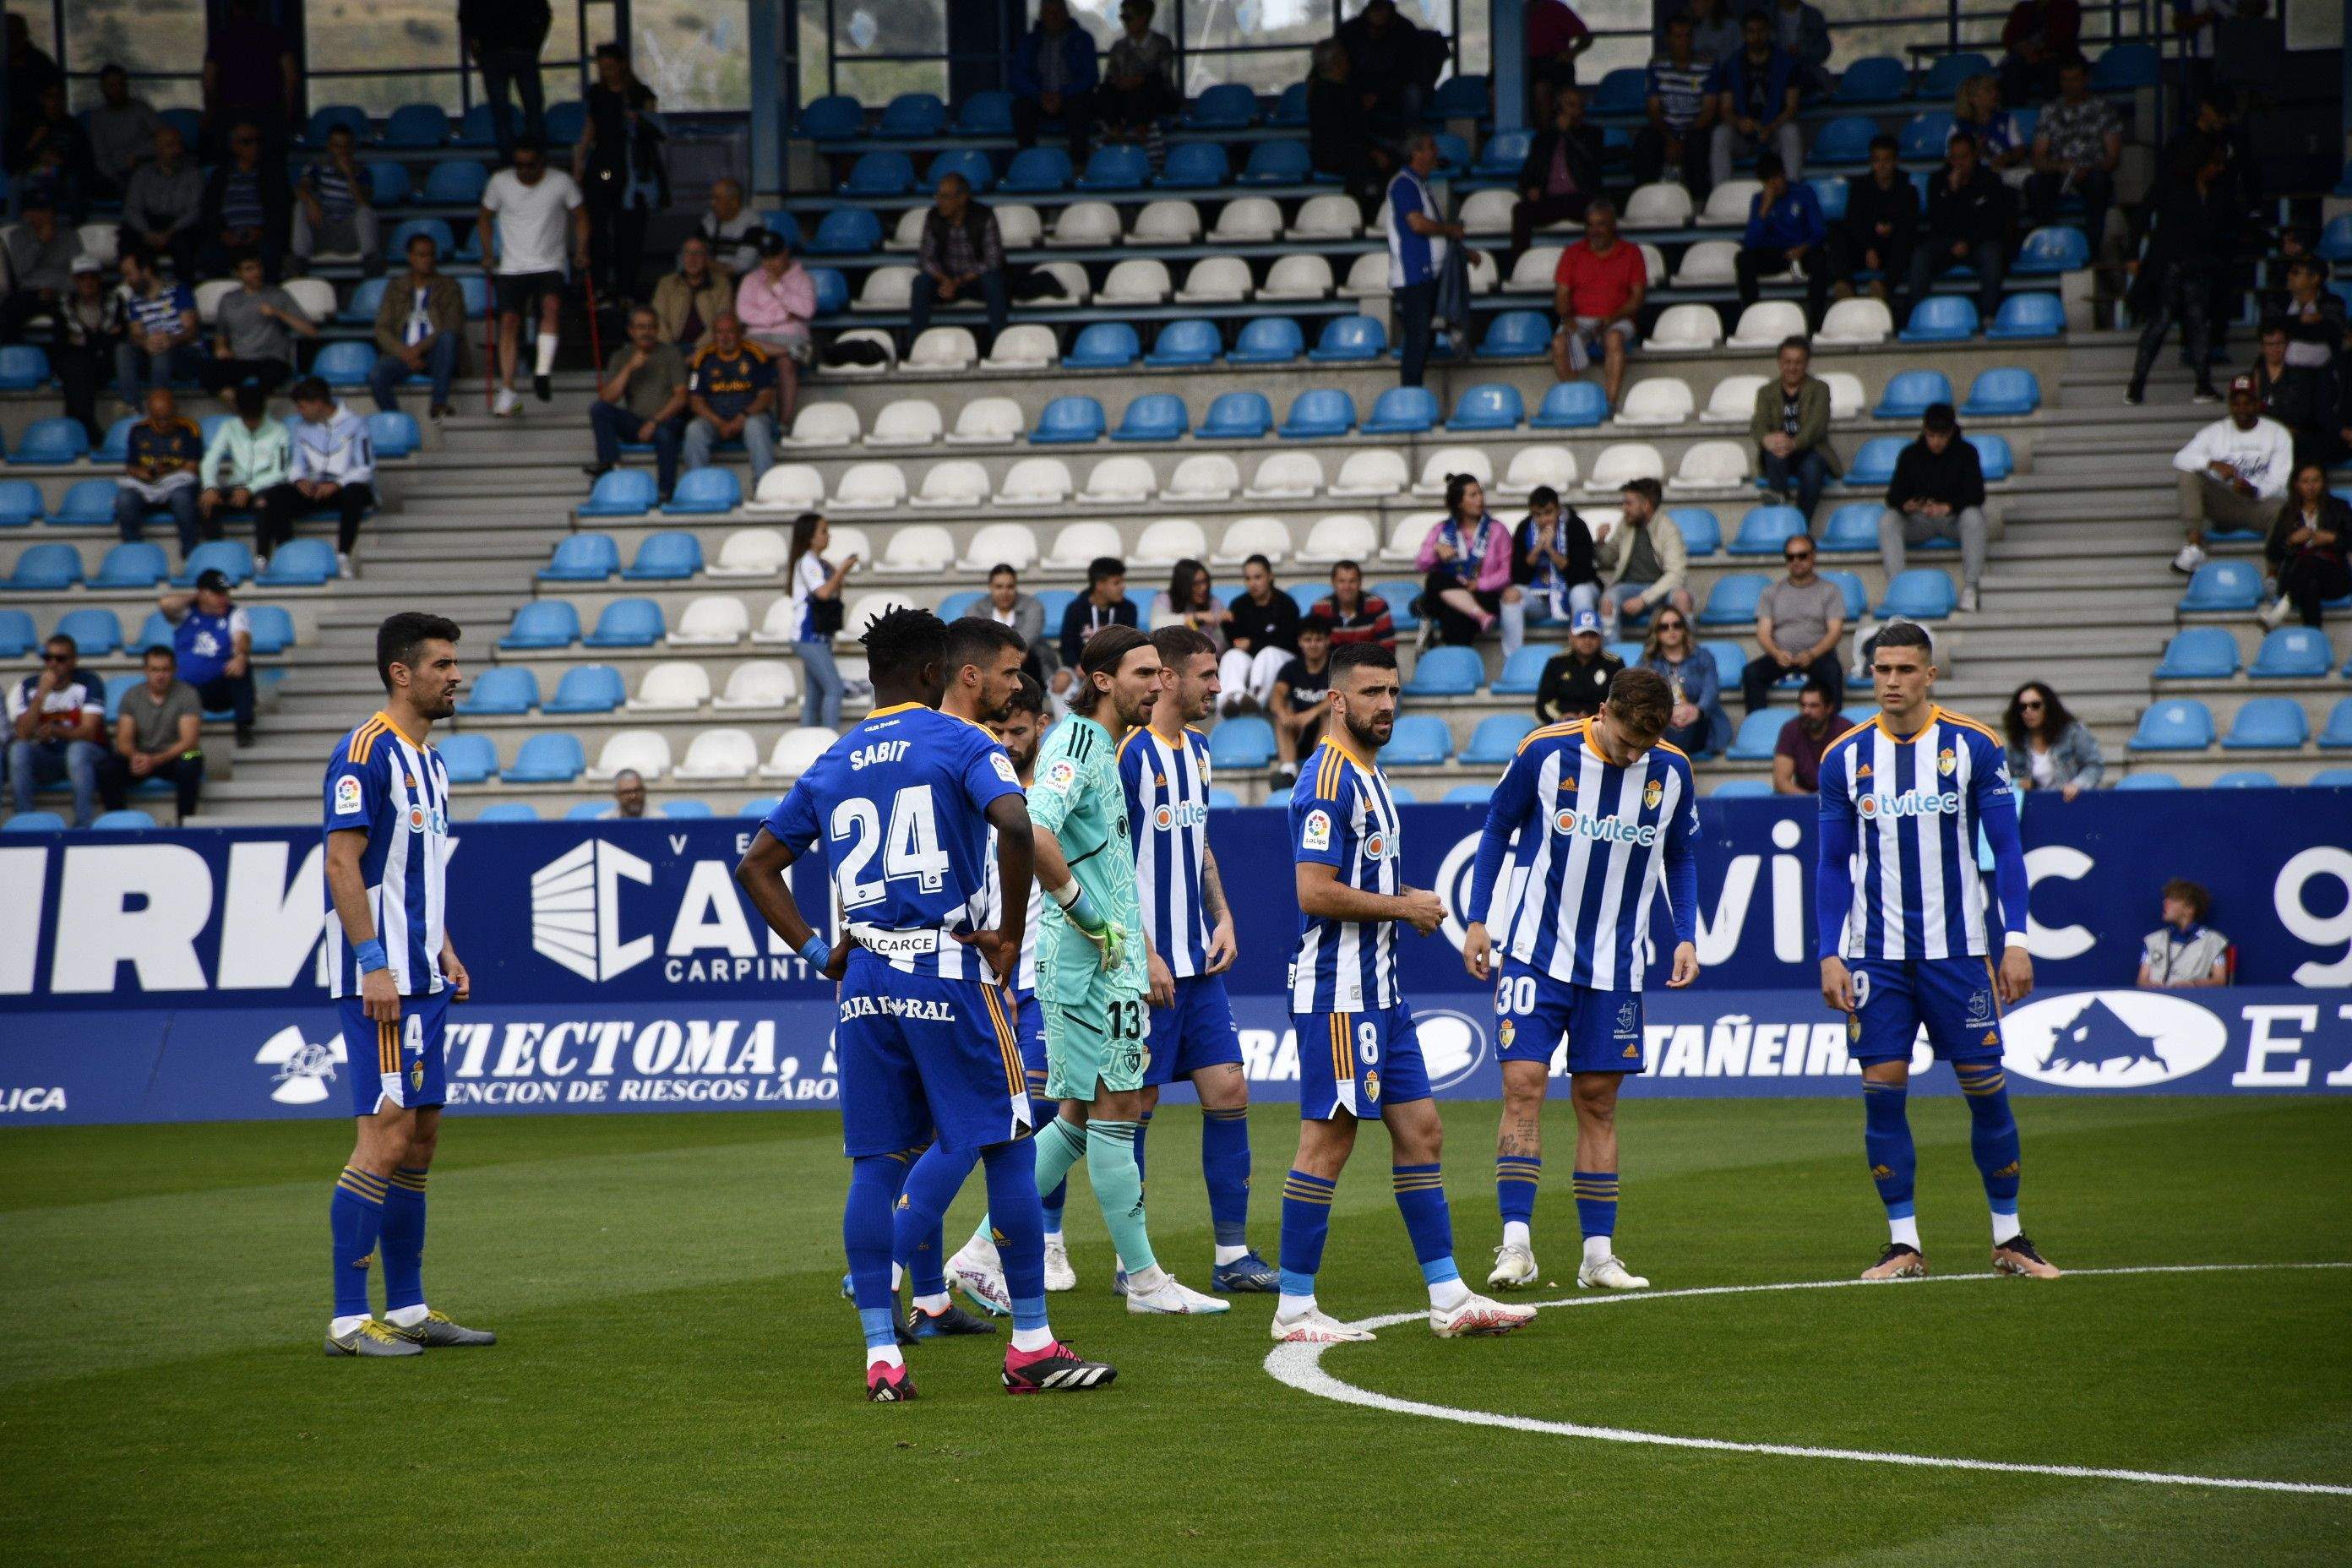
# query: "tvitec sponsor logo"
[2111,1039]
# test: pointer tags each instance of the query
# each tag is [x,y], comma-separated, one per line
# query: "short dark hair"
[2272,324]
[1003,569]
[1645,486]
[1795,341]
[2193,894]
[1542,496]
[158,650]
[1348,566]
[1768,166]
[1819,686]
[236,259]
[1178,643]
[899,643]
[1028,697]
[1884,142]
[400,636]
[1258,561]
[1104,653]
[1350,656]
[973,639]
[1643,696]
[1902,634]
[528,144]
[1939,420]
[1103,566]
[312,389]
[251,401]
[1956,137]
[55,637]
[1320,624]
[2074,62]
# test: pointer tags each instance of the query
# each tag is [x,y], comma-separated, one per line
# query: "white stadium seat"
[867,607]
[1709,264]
[1660,400]
[1297,278]
[1169,541]
[1733,401]
[795,751]
[824,425]
[944,349]
[1286,475]
[1018,226]
[1036,481]
[1086,224]
[1726,204]
[1406,538]
[959,483]
[213,291]
[676,687]
[1487,212]
[1763,324]
[1079,542]
[781,624]
[1711,466]
[909,422]
[1332,217]
[869,487]
[1026,346]
[1371,475]
[1247,220]
[1139,281]
[751,552]
[1485,276]
[1453,460]
[788,487]
[887,365]
[1847,399]
[1532,273]
[1214,281]
[1068,280]
[641,752]
[1344,536]
[1686,328]
[718,755]
[1123,481]
[1205,475]
[1367,277]
[992,421]
[1013,544]
[315,295]
[1625,461]
[1169,222]
[714,620]
[1655,261]
[916,548]
[1533,466]
[886,289]
[909,234]
[847,541]
[1248,536]
[1858,322]
[757,686]
[101,242]
[1662,205]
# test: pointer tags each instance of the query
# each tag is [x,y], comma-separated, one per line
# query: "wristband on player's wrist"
[814,952]
[1077,905]
[370,956]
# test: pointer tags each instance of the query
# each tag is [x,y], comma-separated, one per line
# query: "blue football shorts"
[1534,1010]
[404,1063]
[1359,1063]
[923,1058]
[1952,997]
[1197,1032]
[1029,1034]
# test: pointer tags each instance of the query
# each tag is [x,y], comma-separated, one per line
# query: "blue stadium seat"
[1245,741]
[1701,532]
[1420,740]
[1036,171]
[2122,66]
[2050,250]
[1189,342]
[23,366]
[543,623]
[2336,735]
[115,445]
[1399,598]
[2332,778]
[502,688]
[667,557]
[832,290]
[1833,193]
[2148,780]
[1276,164]
[1516,334]
[1453,152]
[566,123]
[1742,789]
[2028,316]
[1351,338]
[1944,78]
[1290,108]
[2245,778]
[1490,405]
[2179,724]
[1191,167]
[1238,416]
[475,129]
[1154,417]
[326,117]
[1921,594]
[96,631]
[1317,412]
[970,162]
[1103,345]
[394,432]
[1923,137]
[272,629]
[20,503]
[1731,662]
[1843,143]
[1447,671]
[229,557]
[588,689]
[1571,405]
[1909,392]
[1853,526]
[1497,739]
[880,173]
[1303,594]
[56,439]
[1993,454]
[360,309]
[1403,411]
[2268,723]
[776,220]
[1462,97]
[1070,420]
[1265,339]
[2290,653]
[133,564]
[34,822]
[1627,653]
[2226,585]
[1759,736]
[388,183]
[957,605]
[415,125]
[588,811]
[1941,319]
[986,113]
[760,805]
[1521,672]
[1463,794]
[551,756]
[687,810]
[301,563]
[156,631]
[1874,78]
[1622,91]
[2199,653]
[2002,392]
[833,117]
[846,231]
[701,491]
[507,811]
[471,757]
[1732,600]
[396,245]
[1873,464]
[627,623]
[1849,583]
[1116,166]
[124,821]
[1766,530]
[1503,152]
[346,363]
[50,568]
[18,635]
[621,492]
[912,117]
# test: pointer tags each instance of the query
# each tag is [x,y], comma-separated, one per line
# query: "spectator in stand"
[1025,614]
[1139,87]
[1574,684]
[641,400]
[1260,635]
[1882,219]
[2077,145]
[817,617]
[2002,145]
[248,464]
[773,307]
[2297,396]
[164,205]
[1392,64]
[2306,549]
[1421,245]
[2233,473]
[2049,748]
[1785,230]
[334,466]
[2312,316]
[1797,754]
[1756,101]
[334,208]
[254,325]
[1717,34]
[2184,953]
[2195,226]
[160,471]
[1339,142]
[420,330]
[87,342]
[30,68]
[121,130]
[1802,29]
[1643,560]
[41,252]
[628,794]
[2040,40]
[213,638]
[1969,219]
[688,300]
[1104,603]
[522,222]
[1597,290]
[1681,113]
[251,77]
[1799,622]
[1054,74]
[1689,671]
[158,735]
[1562,171]
[732,232]
[618,163]
[505,37]
[1298,701]
[1467,564]
[56,720]
[1354,614]
[1189,601]
[1791,426]
[1556,35]
[961,253]
[1938,492]
[731,387]
[248,206]
[54,151]
[1552,558]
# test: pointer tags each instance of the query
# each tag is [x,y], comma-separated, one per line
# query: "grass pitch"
[678,1382]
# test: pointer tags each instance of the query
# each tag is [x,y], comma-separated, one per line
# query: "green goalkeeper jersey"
[1077,798]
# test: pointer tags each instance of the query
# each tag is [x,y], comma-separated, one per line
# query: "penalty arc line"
[1300,1366]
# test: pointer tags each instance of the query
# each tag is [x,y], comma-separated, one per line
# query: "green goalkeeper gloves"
[1108,937]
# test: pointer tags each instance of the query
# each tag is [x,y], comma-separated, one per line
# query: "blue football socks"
[356,1219]
[1225,1166]
[403,1240]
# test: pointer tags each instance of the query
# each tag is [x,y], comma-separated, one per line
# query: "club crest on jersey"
[346,794]
[1980,1008]
[1314,832]
[1373,1088]
[1060,774]
[1628,1020]
[1507,1031]
[1946,760]
[1655,792]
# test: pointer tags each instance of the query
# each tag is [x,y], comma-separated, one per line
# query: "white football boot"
[1514,1266]
[1478,1315]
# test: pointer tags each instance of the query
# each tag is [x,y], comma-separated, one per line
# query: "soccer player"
[1906,935]
[394,974]
[1358,1055]
[1091,970]
[1602,811]
[903,804]
[1163,770]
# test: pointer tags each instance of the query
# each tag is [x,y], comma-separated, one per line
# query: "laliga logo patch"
[2112,1039]
[1451,1046]
[304,1069]
[1946,761]
[1003,765]
[1652,794]
[346,794]
[1314,832]
[1060,774]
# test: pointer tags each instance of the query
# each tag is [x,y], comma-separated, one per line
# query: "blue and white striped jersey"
[394,790]
[1024,981]
[1595,840]
[1167,788]
[1341,814]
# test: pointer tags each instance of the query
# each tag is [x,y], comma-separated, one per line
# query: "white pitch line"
[1300,1367]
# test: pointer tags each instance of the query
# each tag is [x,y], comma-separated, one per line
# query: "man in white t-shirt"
[523,222]
[2233,474]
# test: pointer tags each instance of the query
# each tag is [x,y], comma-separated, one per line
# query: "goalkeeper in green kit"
[1092,972]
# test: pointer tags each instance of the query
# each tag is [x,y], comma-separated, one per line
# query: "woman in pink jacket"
[1467,562]
[776,301]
